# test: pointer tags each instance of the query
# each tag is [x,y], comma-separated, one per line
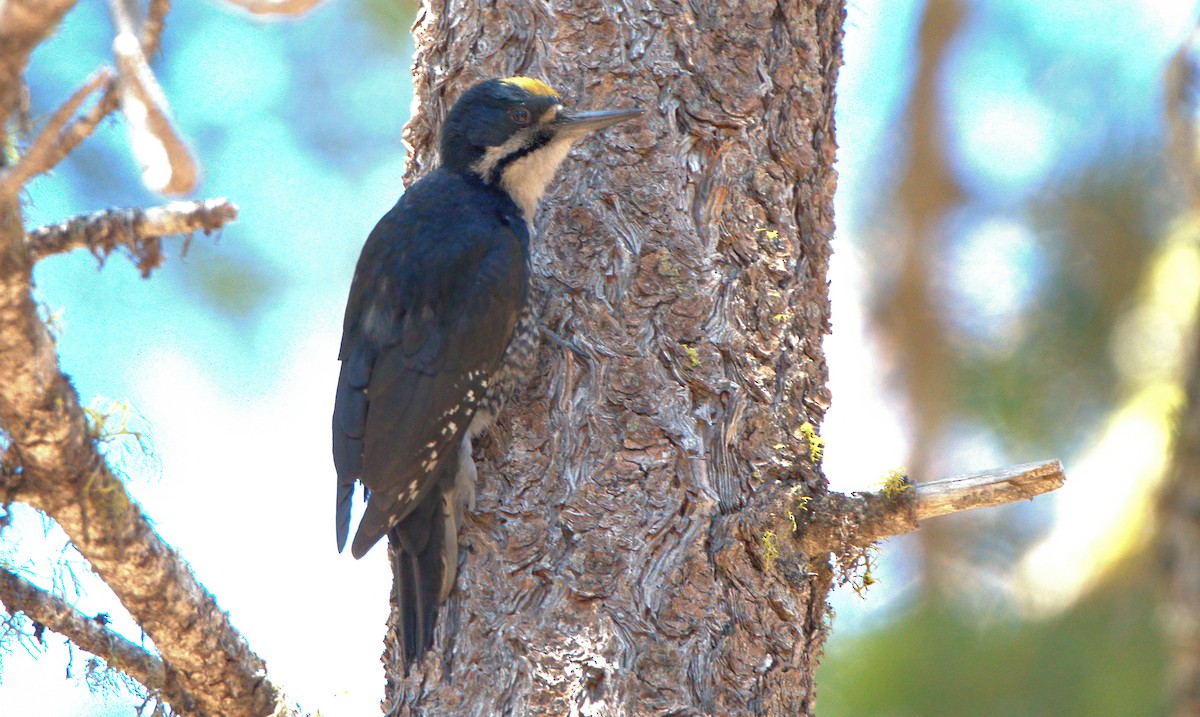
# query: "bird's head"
[514,132]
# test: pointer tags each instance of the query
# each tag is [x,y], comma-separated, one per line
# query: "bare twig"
[137,230]
[91,633]
[1181,86]
[152,28]
[276,7]
[57,139]
[167,163]
[836,521]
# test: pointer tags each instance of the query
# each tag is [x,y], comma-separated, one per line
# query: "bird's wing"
[431,311]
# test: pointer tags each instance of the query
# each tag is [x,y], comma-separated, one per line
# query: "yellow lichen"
[666,267]
[770,551]
[864,562]
[692,354]
[108,419]
[894,482]
[816,444]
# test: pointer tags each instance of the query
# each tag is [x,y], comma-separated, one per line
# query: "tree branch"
[1180,85]
[194,636]
[64,475]
[832,522]
[138,230]
[23,24]
[152,28]
[90,633]
[167,163]
[58,138]
[276,7]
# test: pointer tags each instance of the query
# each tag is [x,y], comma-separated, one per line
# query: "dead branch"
[167,163]
[833,522]
[210,658]
[108,103]
[58,137]
[139,231]
[91,634]
[1181,85]
[276,7]
[156,18]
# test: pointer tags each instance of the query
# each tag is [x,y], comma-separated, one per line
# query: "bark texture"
[681,259]
[1179,502]
[1179,538]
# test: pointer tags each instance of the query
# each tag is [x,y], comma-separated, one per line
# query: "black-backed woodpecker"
[438,329]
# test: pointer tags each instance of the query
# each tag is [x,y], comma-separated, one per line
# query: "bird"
[438,329]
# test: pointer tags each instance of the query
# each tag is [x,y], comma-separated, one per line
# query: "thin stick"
[990,488]
[137,230]
[152,28]
[167,163]
[837,522]
[276,7]
[57,138]
[91,633]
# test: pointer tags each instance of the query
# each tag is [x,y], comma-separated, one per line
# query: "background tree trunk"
[927,193]
[682,261]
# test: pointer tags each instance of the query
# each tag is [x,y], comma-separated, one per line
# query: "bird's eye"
[520,115]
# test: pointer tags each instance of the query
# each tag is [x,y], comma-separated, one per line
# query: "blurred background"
[1016,277]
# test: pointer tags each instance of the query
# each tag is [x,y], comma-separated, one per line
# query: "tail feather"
[418,554]
[345,493]
[425,554]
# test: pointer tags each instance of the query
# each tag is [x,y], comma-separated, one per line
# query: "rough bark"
[1179,503]
[683,259]
[1179,538]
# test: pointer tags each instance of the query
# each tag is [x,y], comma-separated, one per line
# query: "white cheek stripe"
[525,179]
[493,155]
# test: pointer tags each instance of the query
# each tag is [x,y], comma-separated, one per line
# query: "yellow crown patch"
[530,85]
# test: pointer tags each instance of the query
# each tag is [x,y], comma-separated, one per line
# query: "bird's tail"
[425,558]
[418,567]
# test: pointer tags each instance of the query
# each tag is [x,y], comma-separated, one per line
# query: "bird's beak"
[577,123]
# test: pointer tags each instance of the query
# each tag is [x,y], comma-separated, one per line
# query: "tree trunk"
[680,263]
[1179,539]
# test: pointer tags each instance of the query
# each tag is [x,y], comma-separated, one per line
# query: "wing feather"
[431,310]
